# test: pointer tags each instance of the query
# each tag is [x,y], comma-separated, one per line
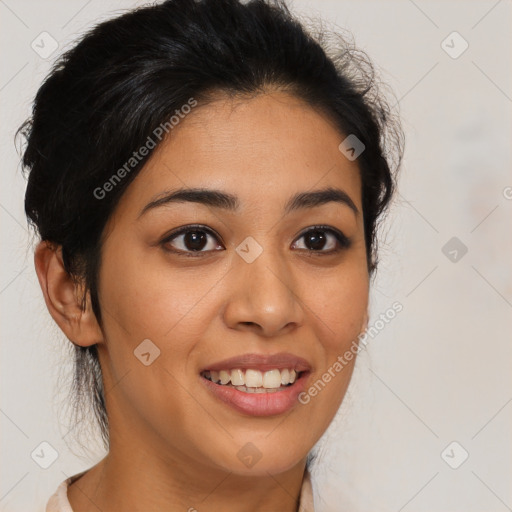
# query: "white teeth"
[225,376]
[253,379]
[257,390]
[237,377]
[272,379]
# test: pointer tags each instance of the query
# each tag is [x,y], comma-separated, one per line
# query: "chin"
[261,456]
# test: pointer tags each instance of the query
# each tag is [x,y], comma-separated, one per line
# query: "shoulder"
[306,503]
[59,502]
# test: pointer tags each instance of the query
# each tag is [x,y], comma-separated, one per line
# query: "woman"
[206,179]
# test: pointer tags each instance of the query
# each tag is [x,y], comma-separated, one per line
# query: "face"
[250,282]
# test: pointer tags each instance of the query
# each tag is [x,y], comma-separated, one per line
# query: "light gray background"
[438,373]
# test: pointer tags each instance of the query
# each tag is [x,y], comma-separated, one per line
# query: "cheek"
[150,298]
[340,305]
[172,307]
[167,307]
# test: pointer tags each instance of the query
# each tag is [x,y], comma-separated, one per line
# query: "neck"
[131,479]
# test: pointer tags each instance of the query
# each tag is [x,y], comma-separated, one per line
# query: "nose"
[263,296]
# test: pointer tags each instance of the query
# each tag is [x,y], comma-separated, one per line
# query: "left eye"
[323,239]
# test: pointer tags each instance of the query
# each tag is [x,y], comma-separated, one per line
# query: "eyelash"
[343,241]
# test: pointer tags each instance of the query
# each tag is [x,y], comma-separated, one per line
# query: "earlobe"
[62,295]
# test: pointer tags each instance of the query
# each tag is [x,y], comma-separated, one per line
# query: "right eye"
[191,239]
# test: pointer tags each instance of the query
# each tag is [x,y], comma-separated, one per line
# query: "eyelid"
[189,227]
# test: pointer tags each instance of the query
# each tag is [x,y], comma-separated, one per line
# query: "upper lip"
[262,362]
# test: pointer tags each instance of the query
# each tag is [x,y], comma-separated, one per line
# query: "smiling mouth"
[254,381]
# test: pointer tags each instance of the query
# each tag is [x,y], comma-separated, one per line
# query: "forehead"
[263,149]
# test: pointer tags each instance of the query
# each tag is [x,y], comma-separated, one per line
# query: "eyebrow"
[230,202]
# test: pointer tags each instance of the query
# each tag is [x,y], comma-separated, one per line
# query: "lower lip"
[259,404]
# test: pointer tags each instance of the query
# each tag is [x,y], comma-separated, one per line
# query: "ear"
[63,297]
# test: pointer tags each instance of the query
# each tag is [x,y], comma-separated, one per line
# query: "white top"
[59,501]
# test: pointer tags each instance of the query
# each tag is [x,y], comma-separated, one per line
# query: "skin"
[173,445]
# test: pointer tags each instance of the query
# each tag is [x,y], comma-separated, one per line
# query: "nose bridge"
[263,292]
